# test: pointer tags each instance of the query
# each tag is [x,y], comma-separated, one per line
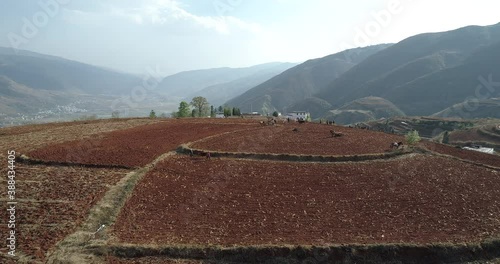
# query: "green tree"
[193,113]
[275,114]
[183,109]
[152,114]
[212,111]
[227,111]
[220,109]
[412,137]
[201,105]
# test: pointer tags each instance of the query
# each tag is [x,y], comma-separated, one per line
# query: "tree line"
[200,107]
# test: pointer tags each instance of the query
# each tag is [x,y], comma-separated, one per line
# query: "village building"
[298,115]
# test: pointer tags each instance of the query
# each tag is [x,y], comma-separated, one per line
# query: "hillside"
[50,73]
[435,92]
[20,104]
[473,109]
[301,81]
[315,106]
[487,135]
[184,84]
[37,88]
[16,98]
[418,73]
[220,93]
[364,109]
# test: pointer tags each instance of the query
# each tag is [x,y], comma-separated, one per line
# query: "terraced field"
[53,202]
[308,139]
[239,202]
[431,203]
[134,147]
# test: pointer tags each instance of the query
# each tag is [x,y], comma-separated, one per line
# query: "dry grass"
[186,149]
[81,246]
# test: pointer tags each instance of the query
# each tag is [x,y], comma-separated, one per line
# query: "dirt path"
[79,247]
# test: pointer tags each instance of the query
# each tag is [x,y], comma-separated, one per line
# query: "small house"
[480,149]
[251,115]
[298,115]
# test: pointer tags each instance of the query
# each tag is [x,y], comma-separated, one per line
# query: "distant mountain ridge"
[35,86]
[427,74]
[218,94]
[301,82]
[57,74]
[189,83]
[421,74]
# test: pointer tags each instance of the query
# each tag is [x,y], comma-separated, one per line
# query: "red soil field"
[52,202]
[311,139]
[415,199]
[483,158]
[138,146]
[27,138]
[18,130]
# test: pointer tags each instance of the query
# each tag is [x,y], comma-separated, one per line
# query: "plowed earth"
[52,202]
[310,139]
[416,199]
[483,158]
[136,146]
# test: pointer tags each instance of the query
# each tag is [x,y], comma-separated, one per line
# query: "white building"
[480,149]
[219,115]
[298,115]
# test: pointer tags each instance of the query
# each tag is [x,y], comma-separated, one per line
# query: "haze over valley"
[68,60]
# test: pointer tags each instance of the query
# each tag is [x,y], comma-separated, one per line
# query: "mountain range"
[220,84]
[39,88]
[301,82]
[421,75]
[446,74]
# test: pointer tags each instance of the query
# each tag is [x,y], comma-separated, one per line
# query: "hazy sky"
[178,35]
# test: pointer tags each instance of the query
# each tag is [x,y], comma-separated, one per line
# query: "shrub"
[412,137]
[152,114]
